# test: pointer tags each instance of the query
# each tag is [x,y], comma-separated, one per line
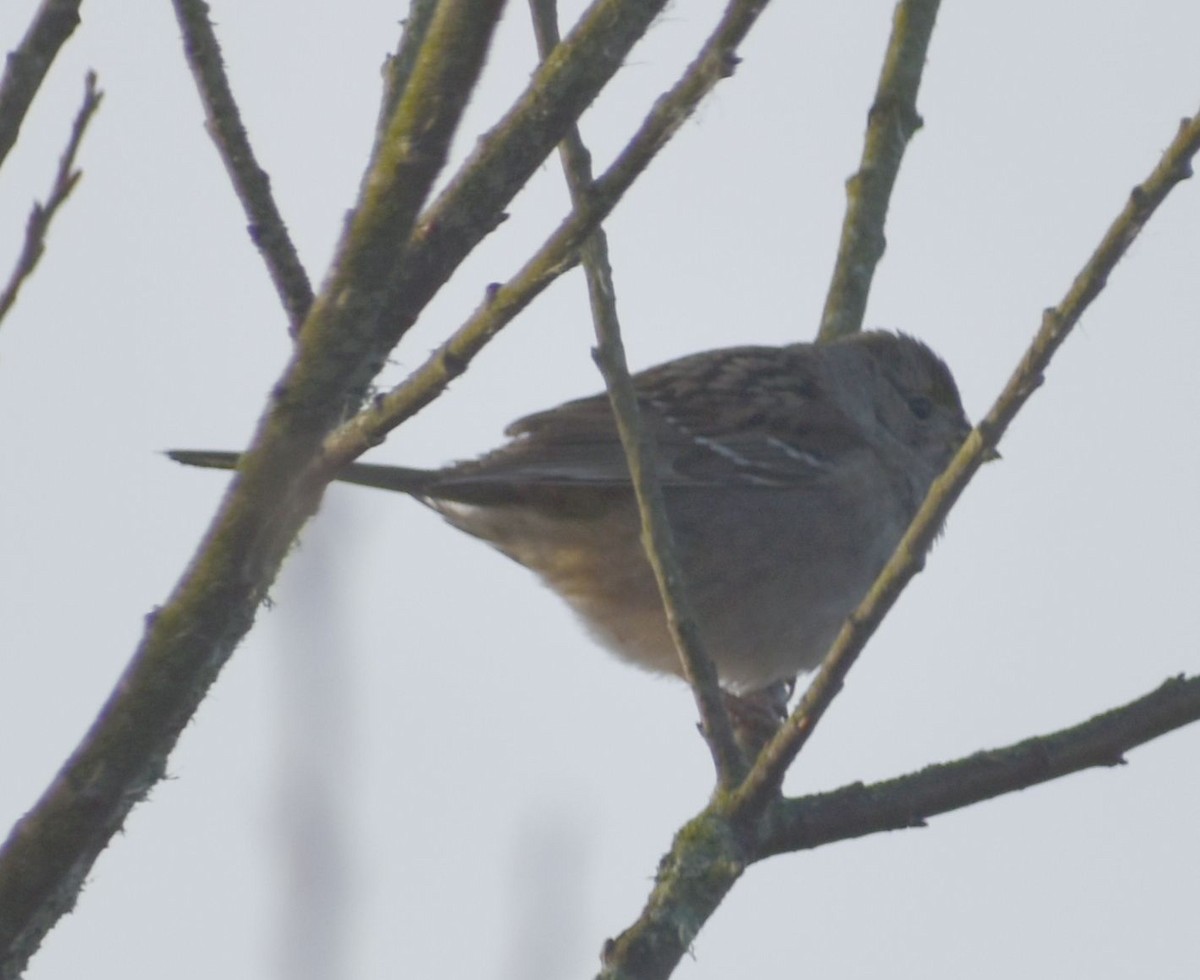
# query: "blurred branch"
[314,766]
[712,850]
[250,182]
[1175,166]
[890,125]
[640,450]
[26,66]
[558,254]
[40,217]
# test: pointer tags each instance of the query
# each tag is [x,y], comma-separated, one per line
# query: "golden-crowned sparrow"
[789,475]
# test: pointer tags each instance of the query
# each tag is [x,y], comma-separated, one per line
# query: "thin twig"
[891,123]
[26,66]
[558,254]
[640,450]
[40,217]
[767,774]
[250,182]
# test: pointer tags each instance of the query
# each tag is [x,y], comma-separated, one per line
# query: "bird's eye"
[921,407]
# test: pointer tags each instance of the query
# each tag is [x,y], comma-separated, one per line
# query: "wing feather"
[755,415]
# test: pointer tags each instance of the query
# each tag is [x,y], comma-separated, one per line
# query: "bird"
[789,475]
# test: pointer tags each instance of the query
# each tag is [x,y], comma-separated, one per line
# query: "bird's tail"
[400,478]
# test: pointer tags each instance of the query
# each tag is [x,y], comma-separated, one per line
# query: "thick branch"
[44,861]
[891,123]
[65,179]
[472,205]
[557,255]
[345,339]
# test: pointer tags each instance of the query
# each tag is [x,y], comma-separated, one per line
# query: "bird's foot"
[757,716]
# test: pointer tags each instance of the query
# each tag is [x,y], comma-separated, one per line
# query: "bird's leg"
[757,716]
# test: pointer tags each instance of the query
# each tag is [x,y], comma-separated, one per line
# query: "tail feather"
[209,459]
[403,479]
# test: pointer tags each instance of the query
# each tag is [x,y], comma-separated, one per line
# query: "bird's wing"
[751,415]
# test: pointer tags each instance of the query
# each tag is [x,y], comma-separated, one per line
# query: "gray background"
[504,787]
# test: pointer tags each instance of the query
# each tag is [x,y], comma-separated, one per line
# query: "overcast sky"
[507,787]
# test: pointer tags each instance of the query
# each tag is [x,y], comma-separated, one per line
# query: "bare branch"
[353,323]
[387,281]
[752,822]
[640,450]
[398,68]
[907,801]
[250,182]
[45,859]
[891,123]
[1175,165]
[557,255]
[706,859]
[40,217]
[713,849]
[472,204]
[26,67]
